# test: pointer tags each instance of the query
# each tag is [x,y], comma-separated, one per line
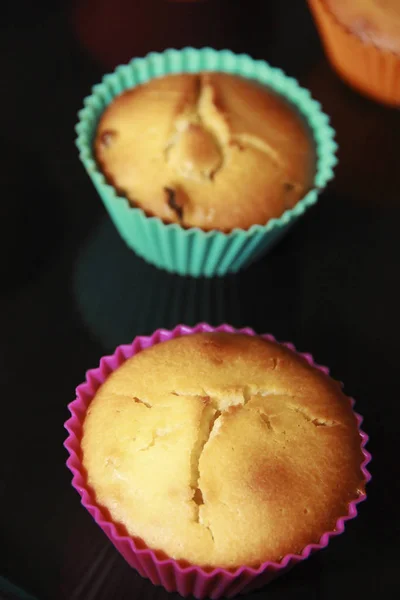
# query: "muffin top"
[222,450]
[207,150]
[374,21]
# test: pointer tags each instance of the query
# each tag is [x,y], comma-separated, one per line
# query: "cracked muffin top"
[373,21]
[207,150]
[222,450]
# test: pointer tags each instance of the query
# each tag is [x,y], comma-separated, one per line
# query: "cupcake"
[362,40]
[203,158]
[192,451]
[207,150]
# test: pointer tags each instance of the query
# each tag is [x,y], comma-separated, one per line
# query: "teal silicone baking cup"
[191,251]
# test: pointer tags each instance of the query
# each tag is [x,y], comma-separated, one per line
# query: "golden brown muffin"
[374,21]
[222,449]
[208,150]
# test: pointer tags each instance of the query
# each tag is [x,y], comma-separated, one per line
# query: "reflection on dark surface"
[71,291]
[120,296]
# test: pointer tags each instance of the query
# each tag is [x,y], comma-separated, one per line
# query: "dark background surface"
[71,291]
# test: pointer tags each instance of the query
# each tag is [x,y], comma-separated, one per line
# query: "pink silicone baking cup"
[175,576]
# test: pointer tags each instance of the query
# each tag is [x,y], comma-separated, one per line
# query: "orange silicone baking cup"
[367,68]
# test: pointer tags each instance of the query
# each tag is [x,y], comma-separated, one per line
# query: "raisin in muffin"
[222,450]
[207,150]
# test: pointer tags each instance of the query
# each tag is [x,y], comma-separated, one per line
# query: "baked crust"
[375,22]
[207,150]
[222,450]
